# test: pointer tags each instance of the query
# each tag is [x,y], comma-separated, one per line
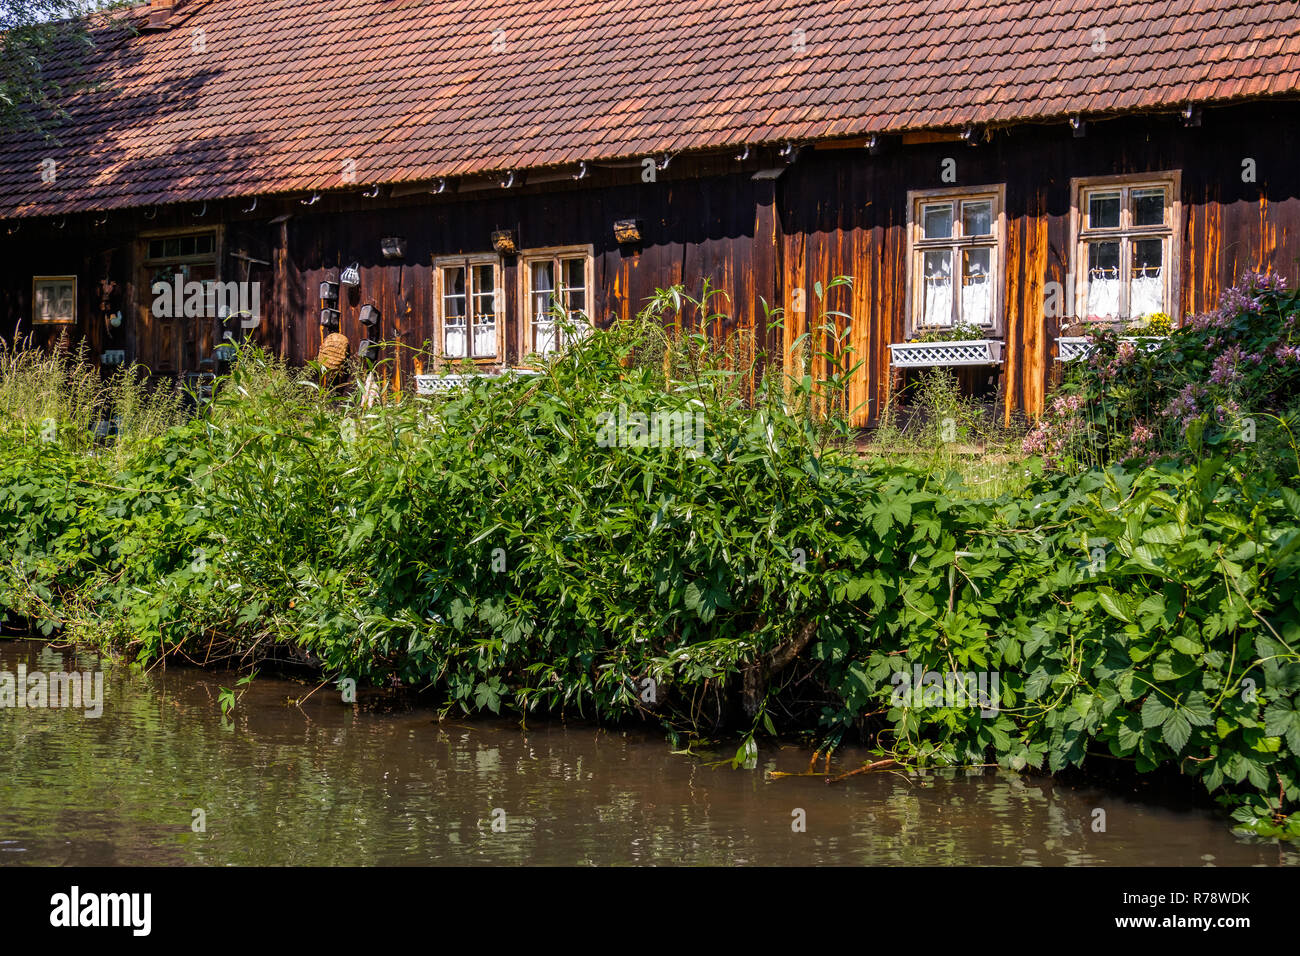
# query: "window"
[54,300]
[201,245]
[555,282]
[1125,250]
[193,257]
[470,304]
[955,240]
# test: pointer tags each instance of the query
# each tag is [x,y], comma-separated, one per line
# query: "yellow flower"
[1160,323]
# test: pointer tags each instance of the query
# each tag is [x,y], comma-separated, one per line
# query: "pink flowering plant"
[1226,381]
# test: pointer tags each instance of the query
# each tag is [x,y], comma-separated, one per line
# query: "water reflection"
[325,783]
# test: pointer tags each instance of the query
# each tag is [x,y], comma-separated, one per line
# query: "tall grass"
[936,427]
[60,397]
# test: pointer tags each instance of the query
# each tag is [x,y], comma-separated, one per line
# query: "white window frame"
[41,281]
[468,263]
[556,254]
[1081,233]
[917,246]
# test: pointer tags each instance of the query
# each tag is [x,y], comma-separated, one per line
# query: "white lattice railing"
[926,354]
[1071,347]
[441,384]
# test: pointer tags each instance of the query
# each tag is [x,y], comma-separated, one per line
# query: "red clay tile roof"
[288,91]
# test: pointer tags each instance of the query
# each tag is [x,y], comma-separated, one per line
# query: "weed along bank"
[471,175]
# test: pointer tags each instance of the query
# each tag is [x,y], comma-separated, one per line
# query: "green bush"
[531,544]
[1228,380]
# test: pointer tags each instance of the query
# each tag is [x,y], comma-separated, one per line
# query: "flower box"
[1071,347]
[929,354]
[441,384]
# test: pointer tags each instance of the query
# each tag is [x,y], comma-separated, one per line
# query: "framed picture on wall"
[54,300]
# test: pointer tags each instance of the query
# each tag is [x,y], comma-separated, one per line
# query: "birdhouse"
[369,315]
[393,247]
[329,318]
[329,291]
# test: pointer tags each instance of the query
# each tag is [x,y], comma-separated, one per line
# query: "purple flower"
[1064,405]
[1263,282]
[1233,302]
[1224,369]
[1035,442]
[1185,406]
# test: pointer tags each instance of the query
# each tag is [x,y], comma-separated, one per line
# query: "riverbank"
[640,535]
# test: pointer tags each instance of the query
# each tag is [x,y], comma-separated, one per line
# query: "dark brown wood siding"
[832,212]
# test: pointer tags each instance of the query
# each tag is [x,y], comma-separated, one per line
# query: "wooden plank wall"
[833,212]
[844,213]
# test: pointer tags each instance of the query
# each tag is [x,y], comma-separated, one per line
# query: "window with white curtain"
[469,307]
[1125,253]
[955,241]
[557,284]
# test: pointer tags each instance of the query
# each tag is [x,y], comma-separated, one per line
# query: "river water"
[324,782]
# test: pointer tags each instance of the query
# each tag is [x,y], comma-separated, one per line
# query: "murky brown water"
[328,783]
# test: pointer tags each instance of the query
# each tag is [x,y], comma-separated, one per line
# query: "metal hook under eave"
[252,207]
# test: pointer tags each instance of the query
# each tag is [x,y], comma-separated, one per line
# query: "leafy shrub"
[1227,379]
[532,544]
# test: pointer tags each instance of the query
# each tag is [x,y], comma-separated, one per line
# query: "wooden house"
[434,175]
